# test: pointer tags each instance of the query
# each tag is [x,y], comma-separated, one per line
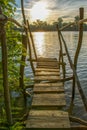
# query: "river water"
[47,45]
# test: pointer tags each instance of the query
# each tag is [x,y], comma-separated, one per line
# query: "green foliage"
[77,18]
[17,126]
[14,45]
[15,51]
[14,54]
[8,7]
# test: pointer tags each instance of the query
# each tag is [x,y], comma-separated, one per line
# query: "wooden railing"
[74,65]
[26,42]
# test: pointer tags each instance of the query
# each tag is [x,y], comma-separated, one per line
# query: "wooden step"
[47,73]
[46,78]
[48,119]
[48,100]
[47,69]
[41,59]
[48,88]
[52,64]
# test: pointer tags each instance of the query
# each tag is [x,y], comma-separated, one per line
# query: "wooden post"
[61,52]
[22,8]
[24,50]
[81,12]
[32,40]
[23,58]
[31,63]
[26,31]
[3,20]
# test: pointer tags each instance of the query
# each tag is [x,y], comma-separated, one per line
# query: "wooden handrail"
[75,74]
[73,66]
[66,26]
[73,23]
[82,21]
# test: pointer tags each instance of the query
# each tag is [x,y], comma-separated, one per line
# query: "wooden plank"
[43,73]
[46,78]
[55,64]
[46,69]
[48,88]
[48,84]
[48,119]
[48,100]
[46,59]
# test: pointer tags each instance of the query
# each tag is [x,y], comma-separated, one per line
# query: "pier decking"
[49,97]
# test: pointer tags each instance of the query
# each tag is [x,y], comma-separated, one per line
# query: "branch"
[14,21]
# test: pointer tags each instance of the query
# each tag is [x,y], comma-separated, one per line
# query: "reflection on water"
[46,44]
[39,39]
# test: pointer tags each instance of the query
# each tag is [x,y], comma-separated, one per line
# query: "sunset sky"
[51,10]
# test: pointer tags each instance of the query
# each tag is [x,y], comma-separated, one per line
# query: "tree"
[60,21]
[7,9]
[76,18]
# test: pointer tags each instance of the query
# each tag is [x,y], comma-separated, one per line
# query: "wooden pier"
[49,97]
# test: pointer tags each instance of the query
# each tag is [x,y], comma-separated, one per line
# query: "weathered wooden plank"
[48,100]
[46,78]
[47,119]
[55,64]
[48,84]
[48,88]
[46,69]
[46,59]
[43,73]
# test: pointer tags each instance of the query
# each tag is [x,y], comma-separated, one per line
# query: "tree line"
[39,25]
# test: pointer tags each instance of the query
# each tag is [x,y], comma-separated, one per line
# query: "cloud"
[66,4]
[30,3]
[67,9]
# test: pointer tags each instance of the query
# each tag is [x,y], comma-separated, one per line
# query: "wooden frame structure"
[61,58]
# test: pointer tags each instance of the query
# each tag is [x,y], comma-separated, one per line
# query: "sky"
[51,10]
